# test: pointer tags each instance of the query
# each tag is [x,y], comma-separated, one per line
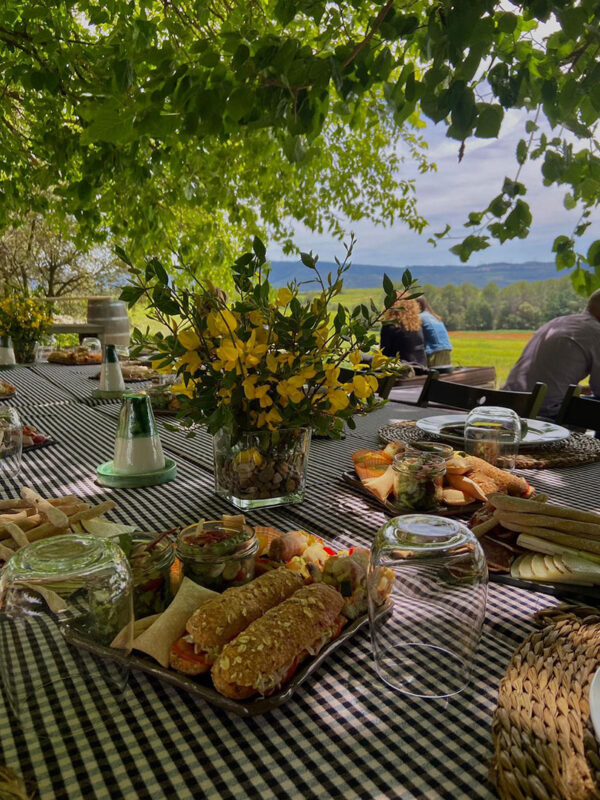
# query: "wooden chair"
[579,412]
[459,395]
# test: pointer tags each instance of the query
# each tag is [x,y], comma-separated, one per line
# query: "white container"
[137,447]
[7,354]
[111,377]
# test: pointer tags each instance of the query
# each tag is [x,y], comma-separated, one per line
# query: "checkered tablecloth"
[343,735]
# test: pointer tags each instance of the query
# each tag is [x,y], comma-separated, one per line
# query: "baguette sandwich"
[265,656]
[222,618]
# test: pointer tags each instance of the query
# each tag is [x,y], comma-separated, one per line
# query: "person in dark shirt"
[402,333]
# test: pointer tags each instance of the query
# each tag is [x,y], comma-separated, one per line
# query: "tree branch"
[376,25]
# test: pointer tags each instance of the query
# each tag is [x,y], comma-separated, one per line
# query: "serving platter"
[201,686]
[352,479]
[539,432]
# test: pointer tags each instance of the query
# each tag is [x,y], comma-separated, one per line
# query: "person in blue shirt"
[437,342]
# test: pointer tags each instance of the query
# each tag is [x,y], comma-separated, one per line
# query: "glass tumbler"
[63,602]
[11,442]
[494,434]
[425,638]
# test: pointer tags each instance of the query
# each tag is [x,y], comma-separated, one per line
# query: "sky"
[447,196]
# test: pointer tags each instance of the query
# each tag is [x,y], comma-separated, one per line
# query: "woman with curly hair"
[401,332]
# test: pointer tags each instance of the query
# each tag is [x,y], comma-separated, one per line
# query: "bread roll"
[217,622]
[264,656]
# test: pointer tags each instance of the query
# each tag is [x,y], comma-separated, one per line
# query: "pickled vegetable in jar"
[217,556]
[150,571]
[418,481]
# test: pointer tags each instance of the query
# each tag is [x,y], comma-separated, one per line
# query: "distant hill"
[367,276]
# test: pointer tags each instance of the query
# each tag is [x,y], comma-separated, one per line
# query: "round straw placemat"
[544,743]
[575,450]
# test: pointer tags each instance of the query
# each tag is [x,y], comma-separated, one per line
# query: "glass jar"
[494,434]
[151,574]
[418,481]
[262,468]
[218,556]
[425,638]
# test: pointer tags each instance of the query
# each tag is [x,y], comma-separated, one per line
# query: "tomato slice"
[185,650]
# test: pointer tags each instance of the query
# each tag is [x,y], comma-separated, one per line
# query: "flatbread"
[156,641]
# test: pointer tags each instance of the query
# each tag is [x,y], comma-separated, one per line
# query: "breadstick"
[17,503]
[64,500]
[45,531]
[564,539]
[554,523]
[505,503]
[53,514]
[5,553]
[16,534]
[94,511]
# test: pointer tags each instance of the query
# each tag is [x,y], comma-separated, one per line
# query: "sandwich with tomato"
[262,658]
[222,618]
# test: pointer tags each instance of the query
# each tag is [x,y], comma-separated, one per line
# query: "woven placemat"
[544,743]
[575,450]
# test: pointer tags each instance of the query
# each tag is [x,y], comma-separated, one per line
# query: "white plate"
[539,432]
[595,703]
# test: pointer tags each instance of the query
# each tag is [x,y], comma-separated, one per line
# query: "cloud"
[448,195]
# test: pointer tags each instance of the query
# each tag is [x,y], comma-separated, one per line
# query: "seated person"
[401,332]
[437,342]
[563,351]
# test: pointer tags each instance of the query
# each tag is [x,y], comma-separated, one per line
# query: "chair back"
[459,395]
[579,412]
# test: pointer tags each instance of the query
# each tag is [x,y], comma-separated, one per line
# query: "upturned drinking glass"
[64,600]
[424,642]
[494,434]
[11,442]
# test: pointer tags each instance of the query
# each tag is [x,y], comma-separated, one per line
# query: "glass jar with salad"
[418,478]
[217,556]
[151,573]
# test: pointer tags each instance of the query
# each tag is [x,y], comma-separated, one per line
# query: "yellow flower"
[291,388]
[332,373]
[361,387]
[284,295]
[321,335]
[272,362]
[221,323]
[229,355]
[338,399]
[191,362]
[378,359]
[254,392]
[251,352]
[189,339]
[307,373]
[355,357]
[182,388]
[256,318]
[270,418]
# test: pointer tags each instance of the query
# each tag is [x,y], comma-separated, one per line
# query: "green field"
[488,348]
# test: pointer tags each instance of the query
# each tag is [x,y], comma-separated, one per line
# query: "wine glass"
[63,602]
[494,434]
[11,442]
[93,344]
[425,639]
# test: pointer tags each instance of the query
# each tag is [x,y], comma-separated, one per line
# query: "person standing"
[402,332]
[437,342]
[563,351]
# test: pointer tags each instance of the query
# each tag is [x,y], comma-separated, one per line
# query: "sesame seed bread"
[221,619]
[261,656]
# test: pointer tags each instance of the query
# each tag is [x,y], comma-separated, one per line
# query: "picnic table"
[345,733]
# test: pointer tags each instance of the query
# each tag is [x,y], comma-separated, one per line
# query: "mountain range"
[367,276]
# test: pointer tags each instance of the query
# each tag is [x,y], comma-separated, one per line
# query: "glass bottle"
[137,447]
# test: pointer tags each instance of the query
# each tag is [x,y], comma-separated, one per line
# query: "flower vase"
[25,350]
[261,468]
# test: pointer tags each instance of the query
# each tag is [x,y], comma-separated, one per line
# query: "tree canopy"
[187,122]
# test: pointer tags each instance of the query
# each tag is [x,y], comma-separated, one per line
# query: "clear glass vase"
[262,468]
[25,350]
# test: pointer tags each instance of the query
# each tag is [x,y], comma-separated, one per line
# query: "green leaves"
[489,120]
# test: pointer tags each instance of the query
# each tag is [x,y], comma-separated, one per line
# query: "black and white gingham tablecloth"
[343,735]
